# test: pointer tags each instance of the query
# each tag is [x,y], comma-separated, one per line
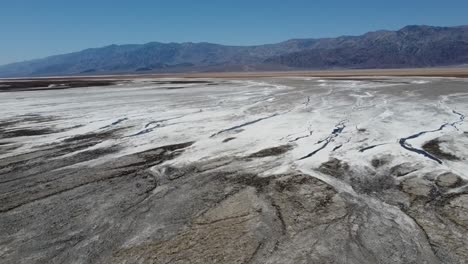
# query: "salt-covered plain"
[267,170]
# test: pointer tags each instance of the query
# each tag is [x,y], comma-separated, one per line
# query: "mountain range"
[411,46]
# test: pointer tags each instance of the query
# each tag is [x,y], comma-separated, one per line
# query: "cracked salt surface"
[162,154]
[259,113]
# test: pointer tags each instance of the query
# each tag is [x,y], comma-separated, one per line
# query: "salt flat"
[266,170]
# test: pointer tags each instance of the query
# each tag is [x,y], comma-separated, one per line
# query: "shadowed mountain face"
[412,46]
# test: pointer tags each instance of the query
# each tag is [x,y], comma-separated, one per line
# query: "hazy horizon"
[226,44]
[51,27]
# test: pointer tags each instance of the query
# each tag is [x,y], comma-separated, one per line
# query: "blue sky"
[37,28]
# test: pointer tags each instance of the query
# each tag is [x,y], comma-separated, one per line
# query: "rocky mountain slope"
[412,46]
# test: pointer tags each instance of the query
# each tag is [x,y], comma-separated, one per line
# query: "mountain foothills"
[411,46]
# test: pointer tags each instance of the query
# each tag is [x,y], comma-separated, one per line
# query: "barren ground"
[238,169]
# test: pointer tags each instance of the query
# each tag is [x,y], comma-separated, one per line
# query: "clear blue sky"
[37,28]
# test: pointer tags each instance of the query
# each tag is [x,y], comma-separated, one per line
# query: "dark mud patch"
[67,149]
[269,152]
[173,173]
[433,147]
[20,126]
[252,180]
[377,162]
[51,155]
[100,136]
[182,82]
[280,182]
[22,167]
[8,123]
[228,139]
[33,165]
[403,169]
[29,118]
[385,81]
[449,180]
[6,147]
[365,181]
[40,85]
[420,188]
[32,179]
[26,132]
[334,167]
[91,154]
[152,157]
[34,85]
[370,182]
[30,131]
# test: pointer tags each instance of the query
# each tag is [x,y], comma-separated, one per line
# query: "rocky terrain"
[411,46]
[266,170]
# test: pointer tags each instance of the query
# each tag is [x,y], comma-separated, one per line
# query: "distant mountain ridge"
[411,46]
